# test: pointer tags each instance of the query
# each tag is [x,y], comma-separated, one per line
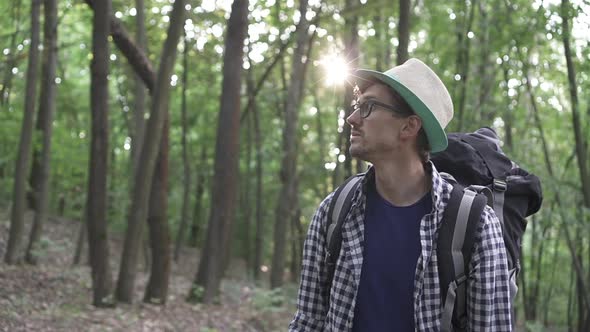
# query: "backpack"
[480,174]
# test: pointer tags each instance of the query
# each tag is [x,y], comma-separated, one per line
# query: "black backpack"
[480,174]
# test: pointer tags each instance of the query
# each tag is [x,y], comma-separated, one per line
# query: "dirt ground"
[56,296]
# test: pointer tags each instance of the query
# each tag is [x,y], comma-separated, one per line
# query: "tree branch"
[135,56]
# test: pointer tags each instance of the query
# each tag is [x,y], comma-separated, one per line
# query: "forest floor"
[56,296]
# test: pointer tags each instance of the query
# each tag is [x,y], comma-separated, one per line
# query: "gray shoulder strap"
[341,198]
[456,288]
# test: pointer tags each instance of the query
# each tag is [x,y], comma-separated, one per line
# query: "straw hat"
[423,90]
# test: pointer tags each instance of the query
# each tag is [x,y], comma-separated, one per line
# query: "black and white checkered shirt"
[488,299]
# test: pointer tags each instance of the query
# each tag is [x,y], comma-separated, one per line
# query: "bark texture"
[21,168]
[225,181]
[148,155]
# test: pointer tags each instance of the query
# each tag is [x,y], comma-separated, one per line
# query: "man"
[386,277]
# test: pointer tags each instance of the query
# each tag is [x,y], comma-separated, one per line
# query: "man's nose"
[354,118]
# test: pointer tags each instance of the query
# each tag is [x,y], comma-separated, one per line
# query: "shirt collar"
[440,187]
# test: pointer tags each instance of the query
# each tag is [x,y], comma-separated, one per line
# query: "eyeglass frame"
[370,104]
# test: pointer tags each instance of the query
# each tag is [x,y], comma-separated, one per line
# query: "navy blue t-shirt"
[385,297]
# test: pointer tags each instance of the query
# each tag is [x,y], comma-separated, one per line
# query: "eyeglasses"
[366,107]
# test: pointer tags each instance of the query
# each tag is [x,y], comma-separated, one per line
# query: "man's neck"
[402,181]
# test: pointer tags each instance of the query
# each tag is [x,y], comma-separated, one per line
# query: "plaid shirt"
[488,300]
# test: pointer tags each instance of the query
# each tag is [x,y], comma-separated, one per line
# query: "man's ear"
[412,126]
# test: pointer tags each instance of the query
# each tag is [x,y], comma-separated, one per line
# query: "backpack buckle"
[499,185]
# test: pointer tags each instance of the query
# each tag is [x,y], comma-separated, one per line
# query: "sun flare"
[337,70]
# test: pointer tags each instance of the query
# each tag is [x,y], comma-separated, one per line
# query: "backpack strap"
[339,207]
[455,244]
[499,188]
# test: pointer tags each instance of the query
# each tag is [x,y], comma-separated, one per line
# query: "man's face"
[377,135]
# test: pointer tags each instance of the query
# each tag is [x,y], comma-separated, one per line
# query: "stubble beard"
[358,152]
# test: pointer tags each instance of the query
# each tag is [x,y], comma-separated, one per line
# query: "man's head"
[407,106]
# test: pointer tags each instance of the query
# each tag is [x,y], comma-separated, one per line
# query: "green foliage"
[196,293]
[272,300]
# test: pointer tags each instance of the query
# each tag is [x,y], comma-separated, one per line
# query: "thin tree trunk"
[136,57]
[463,58]
[296,246]
[181,235]
[197,214]
[581,155]
[82,234]
[321,145]
[549,295]
[484,69]
[140,91]
[157,288]
[225,191]
[11,58]
[21,168]
[580,298]
[403,31]
[259,237]
[278,58]
[96,205]
[337,178]
[288,174]
[524,289]
[581,152]
[352,59]
[378,26]
[148,155]
[246,191]
[46,110]
[539,259]
[564,225]
[508,118]
[570,302]
[147,259]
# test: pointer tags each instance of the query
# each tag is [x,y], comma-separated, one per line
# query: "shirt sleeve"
[313,293]
[488,300]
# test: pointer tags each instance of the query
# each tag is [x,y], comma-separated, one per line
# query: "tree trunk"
[140,91]
[508,118]
[296,246]
[21,168]
[181,235]
[225,191]
[11,59]
[581,155]
[581,152]
[157,288]
[149,152]
[277,59]
[352,52]
[259,237]
[463,57]
[82,234]
[549,295]
[538,270]
[403,31]
[570,302]
[197,214]
[136,57]
[321,146]
[484,69]
[96,205]
[46,110]
[247,192]
[564,225]
[379,51]
[288,174]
